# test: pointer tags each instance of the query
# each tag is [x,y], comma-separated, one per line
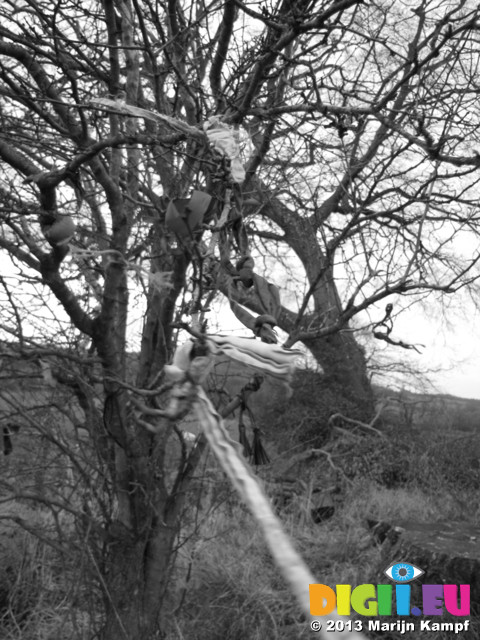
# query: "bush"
[304,418]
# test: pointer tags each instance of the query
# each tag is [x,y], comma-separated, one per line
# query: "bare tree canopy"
[155,155]
[362,119]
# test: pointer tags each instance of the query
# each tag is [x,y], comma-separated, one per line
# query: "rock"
[448,552]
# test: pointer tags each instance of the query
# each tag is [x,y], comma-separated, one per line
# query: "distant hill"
[30,380]
[429,410]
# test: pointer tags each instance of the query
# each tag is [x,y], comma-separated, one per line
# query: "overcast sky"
[451,343]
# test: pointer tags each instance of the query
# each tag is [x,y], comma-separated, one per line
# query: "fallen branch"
[358,423]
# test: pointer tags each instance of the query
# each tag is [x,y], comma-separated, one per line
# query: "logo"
[391,599]
[403,572]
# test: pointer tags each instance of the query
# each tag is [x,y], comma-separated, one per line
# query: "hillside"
[329,480]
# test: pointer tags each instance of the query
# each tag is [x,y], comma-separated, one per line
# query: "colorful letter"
[384,598]
[322,599]
[360,596]
[432,599]
[343,599]
[402,596]
[451,599]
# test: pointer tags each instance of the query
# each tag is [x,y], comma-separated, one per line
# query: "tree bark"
[335,349]
[344,366]
[138,575]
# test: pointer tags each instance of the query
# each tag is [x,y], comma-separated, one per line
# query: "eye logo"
[403,572]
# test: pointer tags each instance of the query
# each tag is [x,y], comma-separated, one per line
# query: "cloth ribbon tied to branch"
[185,215]
[264,294]
[271,359]
[225,140]
[191,364]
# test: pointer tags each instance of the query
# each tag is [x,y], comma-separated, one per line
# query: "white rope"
[279,362]
[290,563]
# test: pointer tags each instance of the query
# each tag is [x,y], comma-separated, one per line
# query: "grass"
[236,592]
[40,586]
[226,586]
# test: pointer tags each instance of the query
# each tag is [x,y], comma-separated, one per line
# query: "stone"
[448,552]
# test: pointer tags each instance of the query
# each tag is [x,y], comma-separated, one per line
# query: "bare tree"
[374,189]
[362,127]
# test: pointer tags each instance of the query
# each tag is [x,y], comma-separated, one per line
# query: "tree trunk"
[139,562]
[338,353]
[344,366]
[137,579]
[124,585]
